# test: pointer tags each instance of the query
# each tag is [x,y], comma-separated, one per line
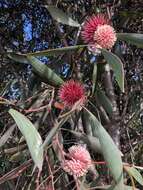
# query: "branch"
[115,125]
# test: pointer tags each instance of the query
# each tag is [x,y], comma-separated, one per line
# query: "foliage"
[37,129]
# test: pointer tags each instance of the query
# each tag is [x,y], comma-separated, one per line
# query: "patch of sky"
[61,29]
[27,28]
[39,47]
[93,59]
[43,59]
[65,70]
[14,91]
[71,42]
[9,3]
[15,43]
[135,76]
[3,4]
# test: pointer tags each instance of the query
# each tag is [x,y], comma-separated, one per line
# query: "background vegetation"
[28,27]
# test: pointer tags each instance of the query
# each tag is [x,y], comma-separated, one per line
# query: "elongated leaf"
[117,67]
[110,152]
[16,157]
[6,135]
[45,72]
[61,17]
[57,125]
[57,51]
[50,136]
[132,38]
[129,188]
[135,173]
[18,58]
[86,125]
[132,14]
[53,132]
[22,58]
[84,186]
[107,187]
[91,141]
[105,102]
[94,76]
[31,135]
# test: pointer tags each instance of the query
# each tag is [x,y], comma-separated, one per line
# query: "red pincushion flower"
[80,161]
[97,31]
[71,92]
[90,26]
[105,36]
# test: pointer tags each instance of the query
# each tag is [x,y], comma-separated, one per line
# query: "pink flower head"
[98,32]
[75,167]
[90,26]
[80,153]
[105,36]
[80,161]
[71,92]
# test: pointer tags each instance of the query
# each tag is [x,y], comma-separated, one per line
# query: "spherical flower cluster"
[71,92]
[78,152]
[80,161]
[105,36]
[97,31]
[90,26]
[75,167]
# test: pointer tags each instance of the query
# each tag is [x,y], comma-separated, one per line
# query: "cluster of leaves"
[100,112]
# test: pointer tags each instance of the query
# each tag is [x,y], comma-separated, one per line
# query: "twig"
[49,176]
[15,172]
[37,109]
[51,173]
[15,149]
[37,179]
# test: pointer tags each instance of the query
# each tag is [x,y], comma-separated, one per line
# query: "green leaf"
[110,151]
[84,186]
[131,14]
[132,38]
[107,187]
[61,17]
[18,58]
[31,135]
[117,67]
[135,173]
[89,124]
[57,51]
[91,141]
[129,188]
[104,101]
[6,135]
[22,58]
[53,132]
[45,72]
[94,76]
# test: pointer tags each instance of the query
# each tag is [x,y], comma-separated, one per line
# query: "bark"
[114,127]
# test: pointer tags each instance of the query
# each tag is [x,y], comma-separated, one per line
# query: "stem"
[115,125]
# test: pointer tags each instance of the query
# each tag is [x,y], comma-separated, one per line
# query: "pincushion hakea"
[80,161]
[80,153]
[97,31]
[71,92]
